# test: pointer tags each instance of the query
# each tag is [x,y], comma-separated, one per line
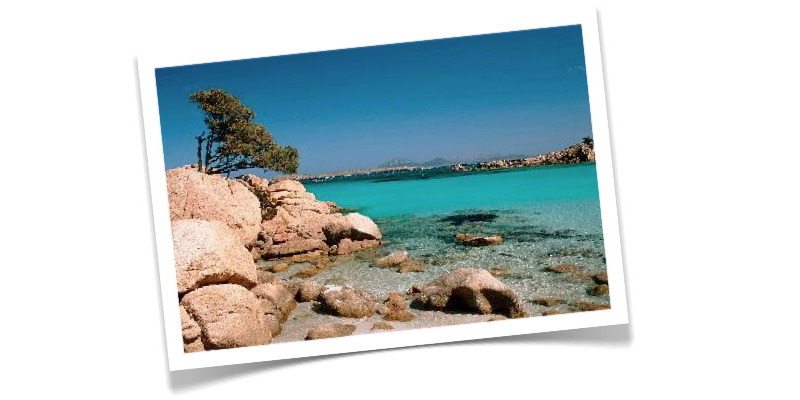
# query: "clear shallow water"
[547,216]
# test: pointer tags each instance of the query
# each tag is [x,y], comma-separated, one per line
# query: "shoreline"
[581,153]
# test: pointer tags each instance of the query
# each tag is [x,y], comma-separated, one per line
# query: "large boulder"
[228,316]
[353,226]
[209,252]
[348,302]
[196,195]
[470,289]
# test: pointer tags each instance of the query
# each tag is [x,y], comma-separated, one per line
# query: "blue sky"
[517,92]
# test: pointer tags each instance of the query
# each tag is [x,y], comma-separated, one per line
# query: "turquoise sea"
[547,216]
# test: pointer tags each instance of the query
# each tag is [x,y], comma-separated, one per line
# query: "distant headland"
[582,152]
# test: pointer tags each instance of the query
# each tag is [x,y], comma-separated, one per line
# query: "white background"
[703,107]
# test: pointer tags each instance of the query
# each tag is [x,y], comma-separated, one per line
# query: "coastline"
[282,265]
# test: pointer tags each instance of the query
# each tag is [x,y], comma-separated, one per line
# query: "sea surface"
[547,216]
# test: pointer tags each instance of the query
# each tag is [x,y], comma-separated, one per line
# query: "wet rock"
[209,252]
[348,302]
[196,195]
[578,276]
[331,330]
[600,278]
[589,306]
[553,311]
[228,316]
[470,239]
[333,207]
[411,265]
[309,291]
[470,289]
[599,290]
[548,301]
[382,325]
[563,268]
[392,260]
[499,271]
[394,308]
[311,256]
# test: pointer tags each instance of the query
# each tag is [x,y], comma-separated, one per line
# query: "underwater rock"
[382,325]
[563,268]
[392,260]
[599,290]
[471,239]
[460,219]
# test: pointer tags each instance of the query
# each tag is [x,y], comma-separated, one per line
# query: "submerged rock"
[471,239]
[599,290]
[228,316]
[348,302]
[470,289]
[548,301]
[209,252]
[392,260]
[331,330]
[196,195]
[601,278]
[563,268]
[589,306]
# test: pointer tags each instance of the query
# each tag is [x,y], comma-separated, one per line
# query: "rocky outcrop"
[349,302]
[402,261]
[300,224]
[209,252]
[470,239]
[196,195]
[470,289]
[331,330]
[228,316]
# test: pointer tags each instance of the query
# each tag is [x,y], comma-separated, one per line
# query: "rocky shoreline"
[575,154]
[247,250]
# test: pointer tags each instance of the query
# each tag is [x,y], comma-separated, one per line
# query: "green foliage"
[233,141]
[588,140]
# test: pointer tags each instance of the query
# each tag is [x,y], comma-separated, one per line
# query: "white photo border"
[178,360]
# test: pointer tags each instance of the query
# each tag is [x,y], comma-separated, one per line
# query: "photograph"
[380,189]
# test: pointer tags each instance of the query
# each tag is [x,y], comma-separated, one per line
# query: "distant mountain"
[437,162]
[398,162]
